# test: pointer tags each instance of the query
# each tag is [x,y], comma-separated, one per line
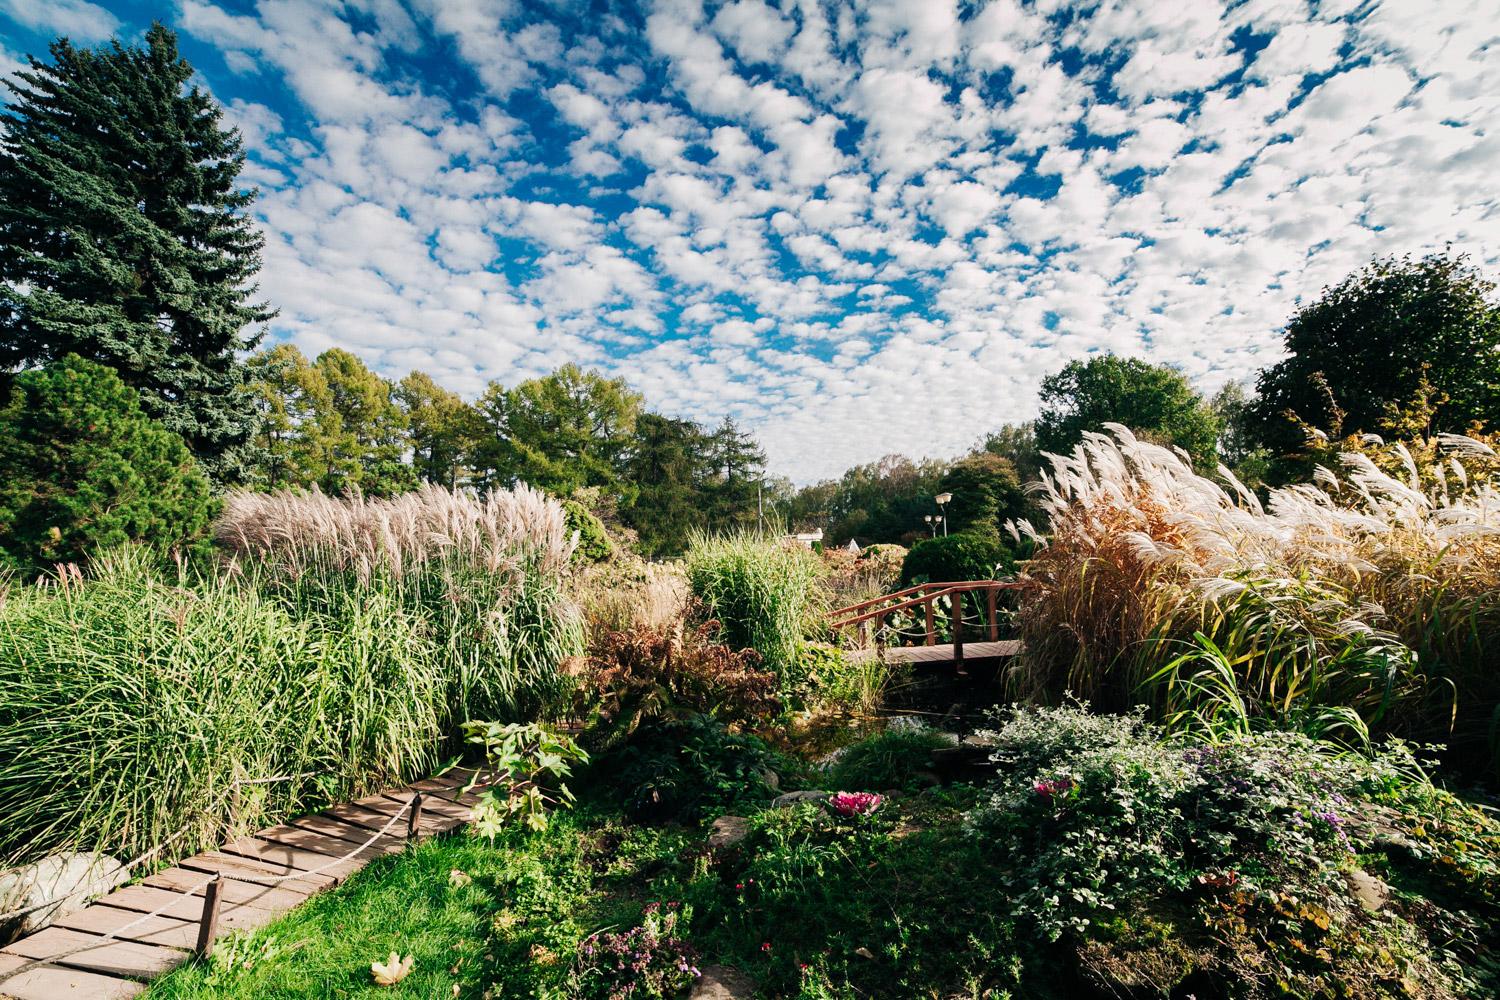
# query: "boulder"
[64,882]
[792,798]
[727,831]
[719,982]
[1371,892]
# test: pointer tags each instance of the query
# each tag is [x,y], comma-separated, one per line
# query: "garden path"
[300,858]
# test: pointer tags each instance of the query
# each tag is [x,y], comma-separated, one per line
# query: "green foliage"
[1016,443]
[692,769]
[126,239]
[593,541]
[330,422]
[894,758]
[1367,345]
[762,591]
[1111,828]
[524,765]
[880,502]
[962,556]
[1155,401]
[561,433]
[986,494]
[835,682]
[82,468]
[444,430]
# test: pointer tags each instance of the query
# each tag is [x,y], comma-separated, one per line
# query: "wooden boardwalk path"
[944,654]
[143,950]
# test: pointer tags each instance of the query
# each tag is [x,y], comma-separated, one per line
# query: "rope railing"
[6,918]
[213,893]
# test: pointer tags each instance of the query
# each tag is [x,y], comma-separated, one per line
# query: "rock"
[727,831]
[719,982]
[792,798]
[771,779]
[1372,893]
[69,879]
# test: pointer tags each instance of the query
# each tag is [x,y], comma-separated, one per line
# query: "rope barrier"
[13,914]
[414,801]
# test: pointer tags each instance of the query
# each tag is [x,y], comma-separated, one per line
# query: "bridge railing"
[871,615]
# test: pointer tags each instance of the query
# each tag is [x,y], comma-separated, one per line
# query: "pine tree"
[739,465]
[124,237]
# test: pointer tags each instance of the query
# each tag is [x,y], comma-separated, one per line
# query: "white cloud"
[78,19]
[794,213]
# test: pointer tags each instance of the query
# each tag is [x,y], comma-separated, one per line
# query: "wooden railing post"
[414,817]
[931,624]
[958,631]
[208,924]
[994,620]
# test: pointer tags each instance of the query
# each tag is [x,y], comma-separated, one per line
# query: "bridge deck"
[940,654]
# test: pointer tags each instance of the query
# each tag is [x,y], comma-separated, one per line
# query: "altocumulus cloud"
[857,227]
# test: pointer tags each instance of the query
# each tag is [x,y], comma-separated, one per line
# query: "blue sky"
[859,227]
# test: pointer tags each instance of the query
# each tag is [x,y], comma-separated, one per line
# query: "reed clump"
[335,651]
[1367,600]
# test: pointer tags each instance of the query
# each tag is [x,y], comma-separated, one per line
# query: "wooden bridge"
[934,608]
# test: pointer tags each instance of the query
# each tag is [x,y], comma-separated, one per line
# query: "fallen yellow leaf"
[393,971]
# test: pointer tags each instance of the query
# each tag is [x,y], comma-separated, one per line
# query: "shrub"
[1110,830]
[834,681]
[761,590]
[83,468]
[522,763]
[645,676]
[627,591]
[593,544]
[895,758]
[693,769]
[649,962]
[961,556]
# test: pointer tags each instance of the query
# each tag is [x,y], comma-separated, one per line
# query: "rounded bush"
[964,556]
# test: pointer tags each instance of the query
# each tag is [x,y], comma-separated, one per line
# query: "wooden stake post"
[208,926]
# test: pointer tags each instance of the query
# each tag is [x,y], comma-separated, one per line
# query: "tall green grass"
[137,705]
[763,591]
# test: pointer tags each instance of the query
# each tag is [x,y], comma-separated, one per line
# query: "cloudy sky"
[858,227]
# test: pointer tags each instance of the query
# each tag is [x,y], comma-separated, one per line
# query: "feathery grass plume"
[1368,598]
[763,591]
[484,577]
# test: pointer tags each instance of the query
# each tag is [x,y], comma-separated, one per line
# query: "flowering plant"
[854,803]
[648,962]
[1055,788]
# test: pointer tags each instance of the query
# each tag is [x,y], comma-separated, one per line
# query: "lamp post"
[931,526]
[942,502]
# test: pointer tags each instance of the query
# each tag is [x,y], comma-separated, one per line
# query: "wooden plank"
[280,897]
[126,959]
[291,836]
[350,833]
[248,870]
[148,899]
[293,857]
[432,822]
[434,803]
[47,982]
[127,925]
[369,819]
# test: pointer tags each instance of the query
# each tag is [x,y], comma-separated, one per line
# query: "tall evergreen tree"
[739,469]
[668,468]
[124,236]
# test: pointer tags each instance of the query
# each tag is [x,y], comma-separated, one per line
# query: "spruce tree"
[124,236]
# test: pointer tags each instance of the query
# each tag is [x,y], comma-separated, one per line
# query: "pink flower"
[1048,787]
[854,803]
